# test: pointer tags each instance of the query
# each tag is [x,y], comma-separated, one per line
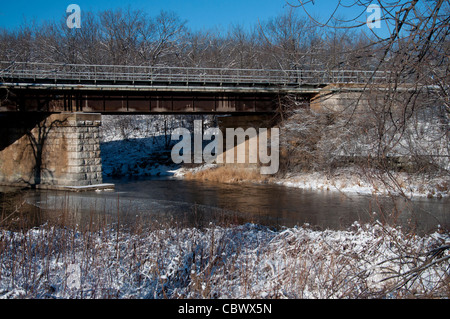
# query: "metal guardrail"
[151,74]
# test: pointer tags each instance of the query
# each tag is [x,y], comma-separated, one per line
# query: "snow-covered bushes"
[247,261]
[396,150]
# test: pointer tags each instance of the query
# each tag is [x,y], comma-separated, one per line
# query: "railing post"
[187,76]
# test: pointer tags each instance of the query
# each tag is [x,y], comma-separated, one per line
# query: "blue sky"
[198,13]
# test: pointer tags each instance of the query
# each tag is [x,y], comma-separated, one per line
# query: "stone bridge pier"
[55,151]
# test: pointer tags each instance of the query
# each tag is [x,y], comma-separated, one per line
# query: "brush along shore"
[246,261]
[345,180]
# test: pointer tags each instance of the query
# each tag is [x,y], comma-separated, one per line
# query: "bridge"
[50,113]
[110,89]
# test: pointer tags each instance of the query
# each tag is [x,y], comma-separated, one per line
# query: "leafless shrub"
[248,261]
[402,123]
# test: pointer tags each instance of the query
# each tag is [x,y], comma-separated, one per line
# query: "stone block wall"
[53,149]
[340,97]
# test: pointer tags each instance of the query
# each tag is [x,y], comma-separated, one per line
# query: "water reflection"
[193,203]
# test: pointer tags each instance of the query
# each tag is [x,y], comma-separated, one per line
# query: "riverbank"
[144,158]
[146,154]
[346,180]
[247,261]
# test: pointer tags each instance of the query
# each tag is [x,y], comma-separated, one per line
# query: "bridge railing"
[163,74]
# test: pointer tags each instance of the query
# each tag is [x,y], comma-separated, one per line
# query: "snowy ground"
[136,157]
[350,181]
[248,261]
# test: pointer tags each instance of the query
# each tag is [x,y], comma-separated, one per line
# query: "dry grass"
[214,261]
[229,174]
[246,261]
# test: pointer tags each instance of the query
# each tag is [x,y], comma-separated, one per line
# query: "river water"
[194,203]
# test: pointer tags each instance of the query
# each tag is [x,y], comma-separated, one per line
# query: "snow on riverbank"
[247,261]
[137,146]
[350,181]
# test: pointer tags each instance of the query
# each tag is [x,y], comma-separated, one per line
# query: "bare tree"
[288,39]
[121,34]
[243,48]
[415,50]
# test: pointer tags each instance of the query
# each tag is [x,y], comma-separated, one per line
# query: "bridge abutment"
[51,150]
[339,98]
[244,154]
